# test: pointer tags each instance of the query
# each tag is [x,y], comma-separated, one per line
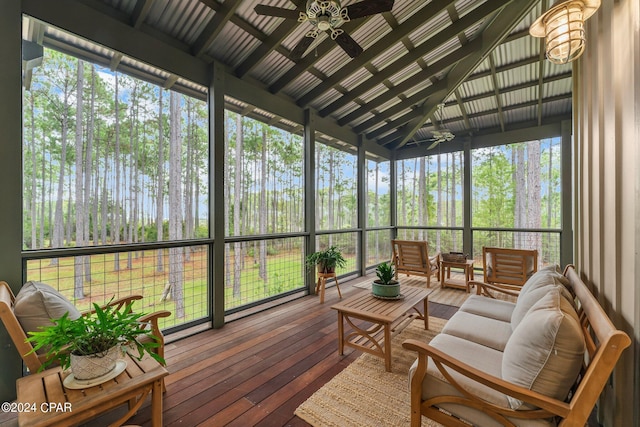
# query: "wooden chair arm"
[152,319]
[485,289]
[548,406]
[117,303]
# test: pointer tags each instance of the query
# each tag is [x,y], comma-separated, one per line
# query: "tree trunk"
[439,202]
[78,291]
[227,202]
[160,186]
[237,206]
[262,273]
[452,222]
[32,204]
[58,221]
[520,219]
[533,194]
[116,220]
[176,265]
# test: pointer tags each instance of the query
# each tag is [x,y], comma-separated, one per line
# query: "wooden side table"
[445,269]
[52,404]
[322,282]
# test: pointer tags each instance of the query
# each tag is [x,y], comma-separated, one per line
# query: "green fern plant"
[93,333]
[326,260]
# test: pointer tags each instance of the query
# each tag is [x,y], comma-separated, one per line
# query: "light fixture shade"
[562,26]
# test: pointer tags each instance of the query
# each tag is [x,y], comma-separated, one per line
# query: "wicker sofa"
[541,361]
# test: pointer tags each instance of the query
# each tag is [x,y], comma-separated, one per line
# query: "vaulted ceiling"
[475,58]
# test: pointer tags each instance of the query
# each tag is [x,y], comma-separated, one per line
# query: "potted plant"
[385,286]
[326,260]
[93,343]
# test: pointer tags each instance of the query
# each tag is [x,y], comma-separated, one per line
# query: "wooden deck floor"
[254,371]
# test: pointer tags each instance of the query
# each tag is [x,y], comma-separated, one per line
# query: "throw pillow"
[37,303]
[546,350]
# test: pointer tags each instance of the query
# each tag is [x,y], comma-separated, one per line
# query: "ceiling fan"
[327,16]
[439,134]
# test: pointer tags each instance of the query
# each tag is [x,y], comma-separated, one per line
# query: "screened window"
[517,186]
[109,159]
[113,160]
[431,194]
[264,191]
[264,195]
[378,193]
[336,188]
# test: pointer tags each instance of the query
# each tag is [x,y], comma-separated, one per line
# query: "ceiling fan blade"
[301,48]
[280,12]
[349,45]
[434,144]
[368,7]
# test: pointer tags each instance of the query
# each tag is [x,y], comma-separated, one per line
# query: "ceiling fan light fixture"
[562,26]
[324,14]
[323,23]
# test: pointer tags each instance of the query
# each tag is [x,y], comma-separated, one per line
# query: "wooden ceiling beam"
[140,12]
[410,25]
[214,27]
[532,103]
[410,102]
[274,39]
[418,97]
[394,124]
[411,57]
[496,89]
[463,110]
[499,28]
[437,67]
[307,62]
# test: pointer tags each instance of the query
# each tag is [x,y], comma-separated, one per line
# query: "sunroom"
[216,146]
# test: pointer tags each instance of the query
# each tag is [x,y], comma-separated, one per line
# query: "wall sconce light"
[562,26]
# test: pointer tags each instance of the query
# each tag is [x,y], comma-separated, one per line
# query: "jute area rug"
[448,296]
[364,394]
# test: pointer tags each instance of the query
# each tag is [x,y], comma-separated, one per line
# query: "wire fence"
[164,283]
[256,270]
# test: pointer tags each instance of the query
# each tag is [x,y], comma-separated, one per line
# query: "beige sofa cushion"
[536,287]
[479,329]
[546,350]
[488,307]
[483,358]
[550,274]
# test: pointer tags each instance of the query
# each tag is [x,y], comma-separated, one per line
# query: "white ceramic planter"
[95,365]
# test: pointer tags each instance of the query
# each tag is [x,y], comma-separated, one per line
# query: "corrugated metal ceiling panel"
[233,45]
[271,69]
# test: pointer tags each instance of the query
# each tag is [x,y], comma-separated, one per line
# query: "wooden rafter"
[371,53]
[496,90]
[140,12]
[410,58]
[437,67]
[503,23]
[214,27]
[285,28]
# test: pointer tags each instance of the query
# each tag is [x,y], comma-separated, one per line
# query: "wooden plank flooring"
[254,371]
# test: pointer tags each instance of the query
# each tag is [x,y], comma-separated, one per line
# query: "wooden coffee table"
[47,402]
[387,318]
